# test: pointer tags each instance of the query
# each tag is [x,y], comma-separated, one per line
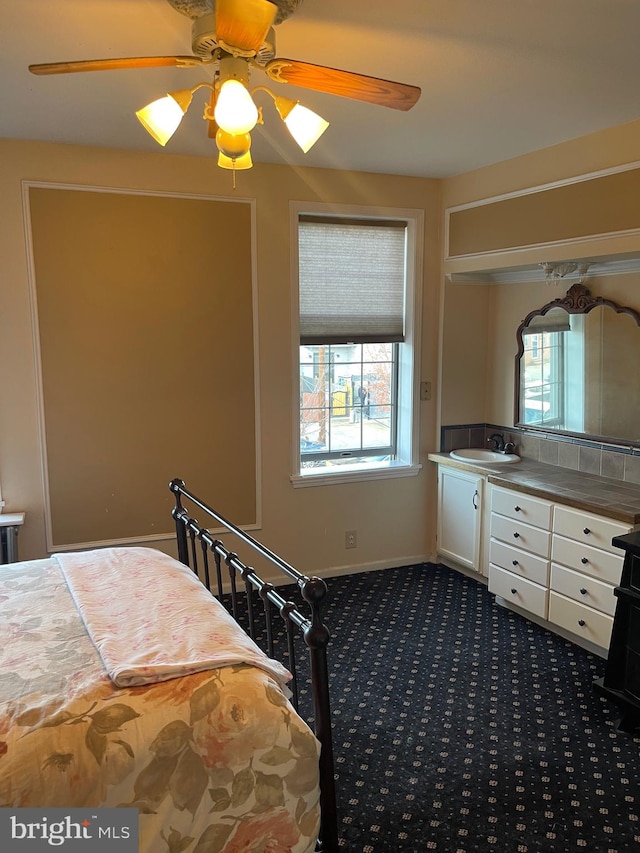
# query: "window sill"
[391,470]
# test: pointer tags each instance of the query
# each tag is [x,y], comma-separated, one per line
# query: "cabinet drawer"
[586,559]
[583,589]
[521,507]
[580,620]
[522,535]
[526,594]
[519,562]
[590,529]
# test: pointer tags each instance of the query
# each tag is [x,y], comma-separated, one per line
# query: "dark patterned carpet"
[461,727]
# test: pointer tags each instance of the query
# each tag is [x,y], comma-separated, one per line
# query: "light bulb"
[233,145]
[235,111]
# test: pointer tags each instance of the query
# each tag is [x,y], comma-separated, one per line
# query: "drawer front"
[590,529]
[523,536]
[584,589]
[521,507]
[519,562]
[600,564]
[518,590]
[581,620]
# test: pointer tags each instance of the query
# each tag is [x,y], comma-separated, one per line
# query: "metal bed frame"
[195,548]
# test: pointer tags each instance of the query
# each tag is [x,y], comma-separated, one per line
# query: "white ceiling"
[499,78]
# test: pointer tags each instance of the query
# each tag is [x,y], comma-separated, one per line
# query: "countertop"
[589,492]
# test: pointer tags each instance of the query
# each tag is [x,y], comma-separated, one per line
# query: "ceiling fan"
[233,37]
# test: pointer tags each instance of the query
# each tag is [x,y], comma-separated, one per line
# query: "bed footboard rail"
[196,548]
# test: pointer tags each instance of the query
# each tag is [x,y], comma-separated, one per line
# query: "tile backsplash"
[575,454]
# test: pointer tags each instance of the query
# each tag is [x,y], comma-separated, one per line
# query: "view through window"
[348,403]
[544,379]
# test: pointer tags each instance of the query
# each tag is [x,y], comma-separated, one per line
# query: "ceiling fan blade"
[244,24]
[374,90]
[113,64]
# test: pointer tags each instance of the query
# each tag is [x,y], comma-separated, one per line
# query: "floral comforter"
[216,761]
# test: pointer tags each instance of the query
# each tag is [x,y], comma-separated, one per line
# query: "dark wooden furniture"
[621,681]
[196,547]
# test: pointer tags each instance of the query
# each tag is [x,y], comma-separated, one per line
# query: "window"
[544,378]
[357,344]
[553,371]
[348,402]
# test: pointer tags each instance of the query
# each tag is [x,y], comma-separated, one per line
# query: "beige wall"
[465,353]
[615,146]
[130,331]
[480,320]
[395,519]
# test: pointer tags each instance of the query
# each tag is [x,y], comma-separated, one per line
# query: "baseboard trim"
[354,569]
[378,565]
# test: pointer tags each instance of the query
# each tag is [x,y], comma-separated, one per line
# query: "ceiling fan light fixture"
[161,118]
[235,111]
[236,36]
[303,124]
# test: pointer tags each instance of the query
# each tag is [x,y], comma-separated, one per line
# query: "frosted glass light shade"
[303,124]
[235,111]
[233,145]
[161,118]
[243,162]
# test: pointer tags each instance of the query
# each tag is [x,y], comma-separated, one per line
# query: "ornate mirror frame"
[577,300]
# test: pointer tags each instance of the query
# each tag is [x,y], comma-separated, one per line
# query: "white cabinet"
[519,549]
[585,568]
[549,561]
[556,563]
[460,516]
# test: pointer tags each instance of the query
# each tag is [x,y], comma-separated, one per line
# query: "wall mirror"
[576,369]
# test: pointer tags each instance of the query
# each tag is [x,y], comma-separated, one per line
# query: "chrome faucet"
[499,444]
[498,441]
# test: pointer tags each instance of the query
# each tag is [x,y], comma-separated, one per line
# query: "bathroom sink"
[480,454]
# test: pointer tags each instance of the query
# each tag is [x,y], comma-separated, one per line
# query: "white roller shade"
[352,280]
[555,320]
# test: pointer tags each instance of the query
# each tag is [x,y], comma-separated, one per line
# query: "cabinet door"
[459,516]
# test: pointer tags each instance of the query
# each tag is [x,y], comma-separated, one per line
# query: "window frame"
[409,352]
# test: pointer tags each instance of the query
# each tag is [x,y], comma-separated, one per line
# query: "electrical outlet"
[350,539]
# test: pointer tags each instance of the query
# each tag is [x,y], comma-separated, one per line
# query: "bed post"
[181,530]
[317,636]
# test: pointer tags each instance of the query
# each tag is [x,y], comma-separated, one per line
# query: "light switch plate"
[425,390]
